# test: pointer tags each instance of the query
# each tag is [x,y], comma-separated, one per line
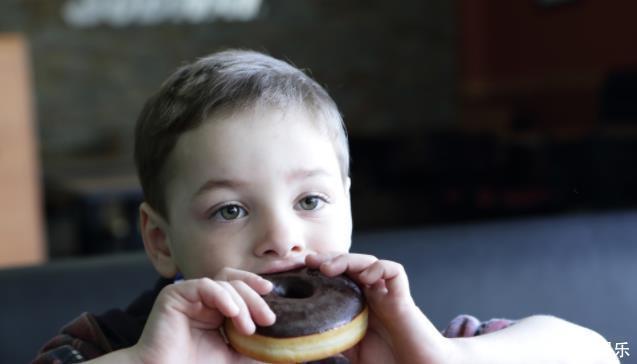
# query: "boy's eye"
[311,202]
[230,212]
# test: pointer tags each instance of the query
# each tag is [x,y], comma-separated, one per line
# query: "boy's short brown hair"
[225,81]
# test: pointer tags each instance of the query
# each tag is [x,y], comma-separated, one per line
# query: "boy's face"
[255,190]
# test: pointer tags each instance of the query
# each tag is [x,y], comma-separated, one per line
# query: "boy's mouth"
[282,266]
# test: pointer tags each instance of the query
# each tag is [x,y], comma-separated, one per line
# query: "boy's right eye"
[229,212]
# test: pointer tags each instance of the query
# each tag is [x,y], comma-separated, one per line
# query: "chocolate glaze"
[307,302]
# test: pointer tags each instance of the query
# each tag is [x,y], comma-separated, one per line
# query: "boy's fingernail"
[268,285]
[271,316]
[251,329]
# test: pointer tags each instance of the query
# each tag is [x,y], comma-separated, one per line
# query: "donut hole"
[293,287]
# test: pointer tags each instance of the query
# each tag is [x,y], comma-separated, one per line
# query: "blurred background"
[465,110]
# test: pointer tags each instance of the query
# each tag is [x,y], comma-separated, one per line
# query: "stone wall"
[389,65]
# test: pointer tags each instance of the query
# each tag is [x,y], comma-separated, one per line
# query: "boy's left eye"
[229,212]
[311,202]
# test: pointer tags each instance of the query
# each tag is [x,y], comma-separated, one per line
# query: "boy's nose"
[279,238]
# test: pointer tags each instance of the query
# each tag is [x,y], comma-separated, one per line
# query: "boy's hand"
[183,326]
[398,331]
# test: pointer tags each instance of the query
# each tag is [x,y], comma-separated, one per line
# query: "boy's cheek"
[334,242]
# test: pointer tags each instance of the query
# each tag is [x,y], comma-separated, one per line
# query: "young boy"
[244,164]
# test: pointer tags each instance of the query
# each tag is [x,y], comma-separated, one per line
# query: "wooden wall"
[21,235]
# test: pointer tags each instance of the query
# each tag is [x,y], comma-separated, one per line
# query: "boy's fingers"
[203,302]
[243,322]
[314,260]
[391,273]
[259,310]
[258,283]
[347,263]
[367,270]
[373,273]
[379,287]
[210,293]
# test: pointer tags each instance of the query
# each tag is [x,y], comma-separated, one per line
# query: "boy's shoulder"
[89,336]
[79,340]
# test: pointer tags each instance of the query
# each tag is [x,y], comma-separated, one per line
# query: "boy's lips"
[282,266]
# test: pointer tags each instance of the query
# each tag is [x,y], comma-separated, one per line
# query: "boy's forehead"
[229,141]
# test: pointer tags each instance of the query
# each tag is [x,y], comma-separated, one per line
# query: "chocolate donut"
[316,317]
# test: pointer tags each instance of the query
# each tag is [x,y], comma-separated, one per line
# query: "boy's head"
[228,81]
[243,161]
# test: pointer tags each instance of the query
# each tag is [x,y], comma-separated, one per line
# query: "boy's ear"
[156,241]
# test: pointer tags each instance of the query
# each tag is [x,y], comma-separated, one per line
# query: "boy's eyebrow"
[307,173]
[235,184]
[220,183]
